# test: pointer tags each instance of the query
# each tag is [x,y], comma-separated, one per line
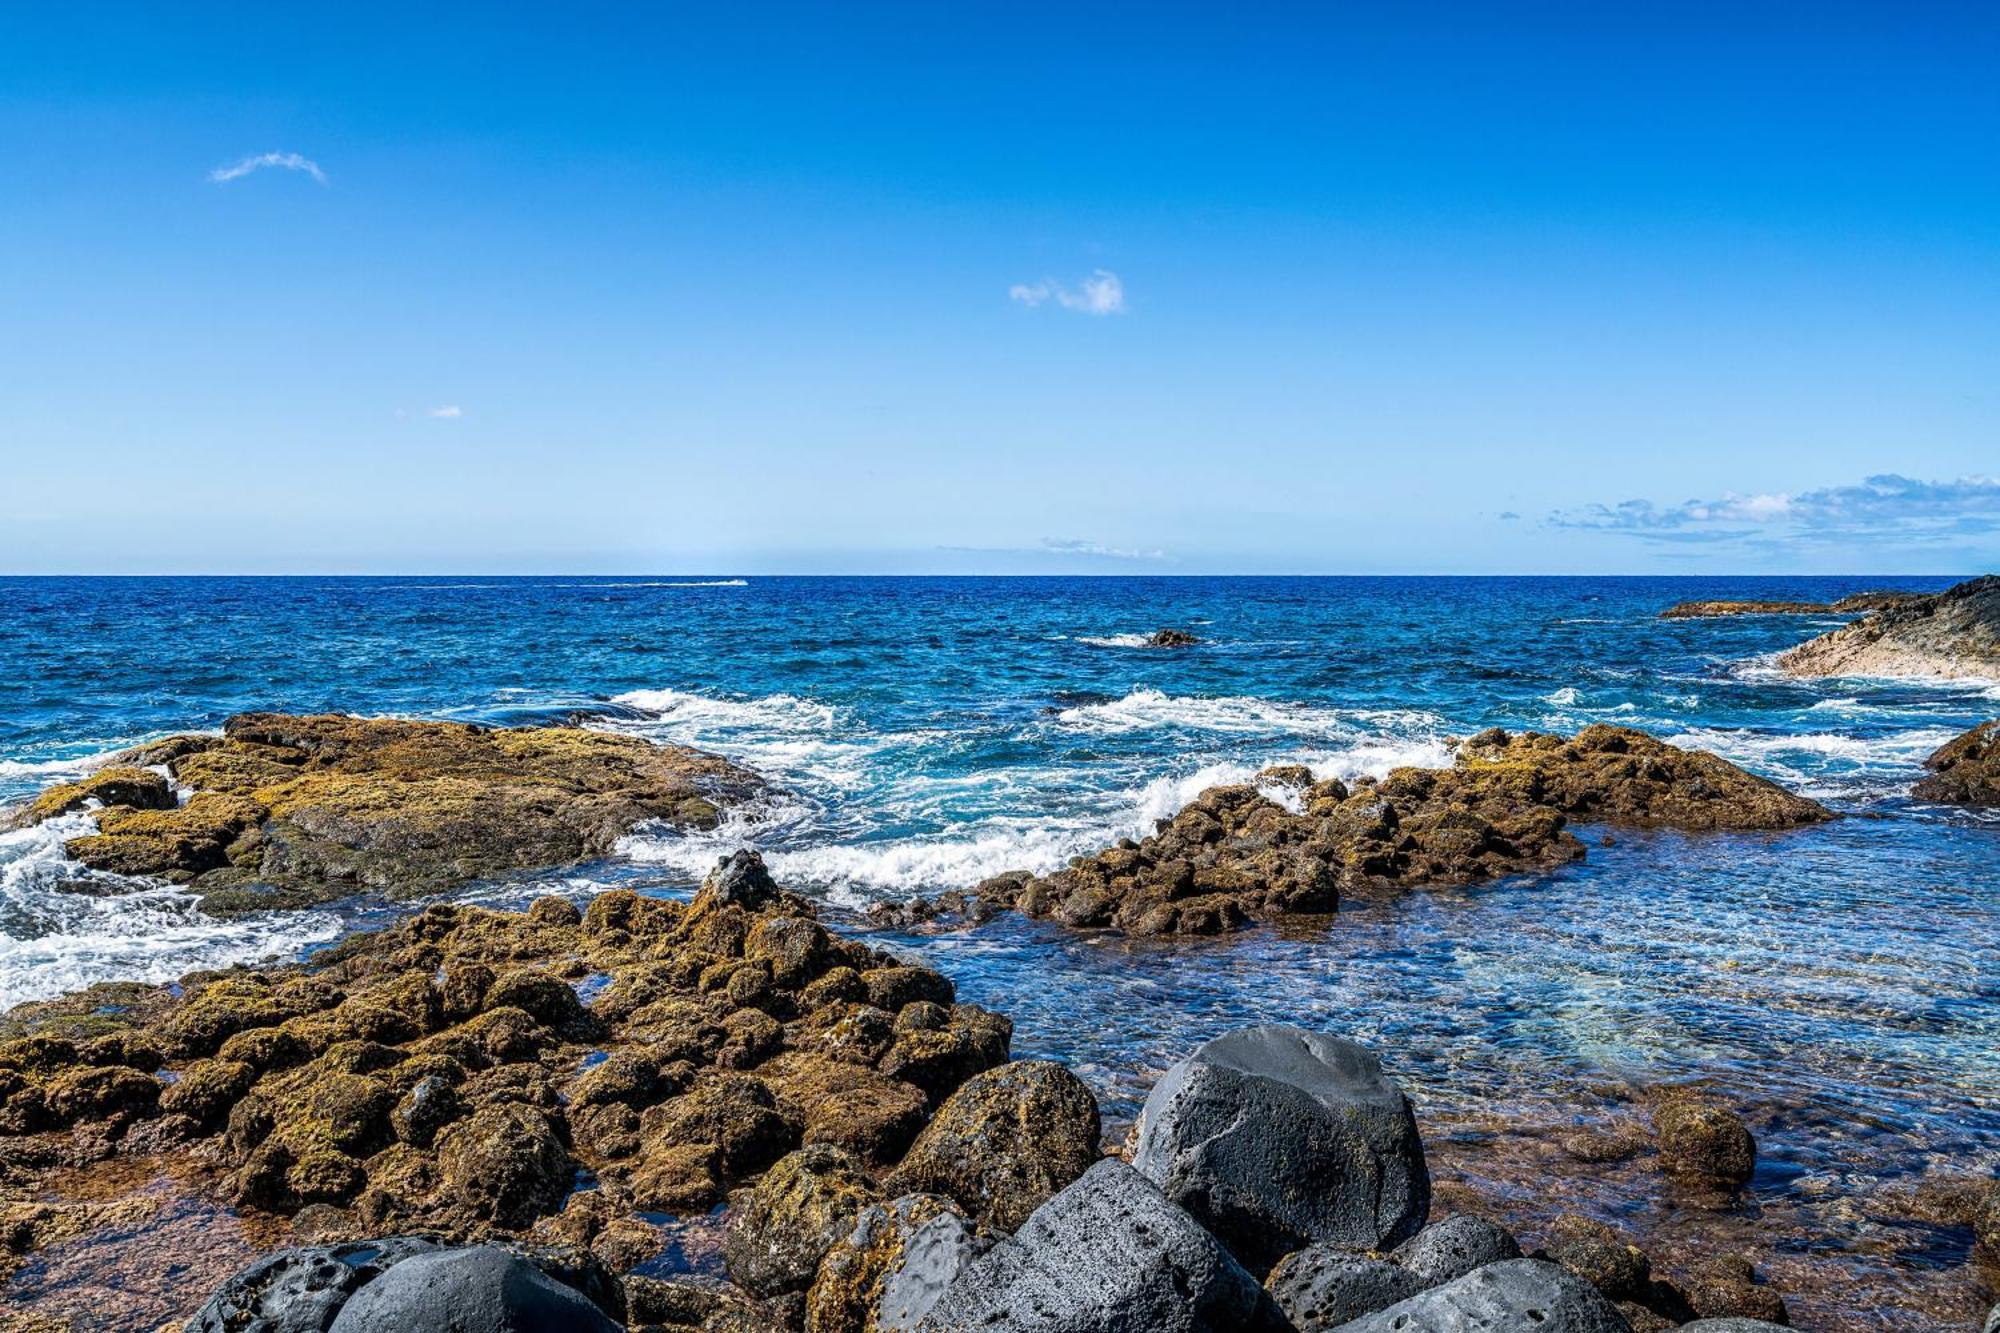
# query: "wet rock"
[1946,635]
[1005,1142]
[289,810]
[1986,1221]
[1618,775]
[1171,638]
[399,1082]
[1738,1325]
[1455,1246]
[117,785]
[889,1270]
[1108,1254]
[480,1289]
[1327,1286]
[1728,1288]
[798,1211]
[1965,771]
[1601,1255]
[684,1305]
[1702,1141]
[1276,1138]
[1234,855]
[1507,1297]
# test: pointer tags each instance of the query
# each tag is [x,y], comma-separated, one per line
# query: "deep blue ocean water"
[1840,984]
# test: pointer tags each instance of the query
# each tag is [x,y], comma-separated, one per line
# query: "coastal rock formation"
[1705,1142]
[1860,603]
[478,1289]
[1276,1138]
[1947,635]
[1172,638]
[444,1074]
[285,810]
[1237,855]
[1965,771]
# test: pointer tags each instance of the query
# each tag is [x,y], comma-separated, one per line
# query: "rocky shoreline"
[1289,845]
[286,811]
[1947,635]
[515,1103]
[1860,603]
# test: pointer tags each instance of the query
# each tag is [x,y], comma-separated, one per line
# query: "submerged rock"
[1109,1254]
[1705,1142]
[1949,634]
[1276,1138]
[287,810]
[1964,771]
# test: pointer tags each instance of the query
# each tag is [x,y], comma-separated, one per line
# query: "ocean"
[1839,985]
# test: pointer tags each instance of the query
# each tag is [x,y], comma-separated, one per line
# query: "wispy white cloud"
[1067,546]
[449,412]
[1075,546]
[1883,508]
[258,161]
[1102,293]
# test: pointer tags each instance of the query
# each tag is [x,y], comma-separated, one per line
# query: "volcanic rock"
[1947,635]
[1276,1138]
[1965,771]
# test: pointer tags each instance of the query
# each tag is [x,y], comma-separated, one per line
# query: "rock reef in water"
[1172,638]
[1946,635]
[444,1075]
[288,810]
[1964,771]
[1854,604]
[1236,855]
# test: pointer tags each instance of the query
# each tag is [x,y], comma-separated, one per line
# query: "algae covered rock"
[1288,846]
[1276,1138]
[442,1073]
[1964,770]
[1005,1142]
[1703,1141]
[888,1271]
[793,1215]
[316,807]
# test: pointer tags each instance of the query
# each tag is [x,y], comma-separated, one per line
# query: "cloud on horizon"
[258,161]
[1102,293]
[449,412]
[1070,546]
[1887,508]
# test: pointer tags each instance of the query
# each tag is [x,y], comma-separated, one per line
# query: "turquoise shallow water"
[1840,984]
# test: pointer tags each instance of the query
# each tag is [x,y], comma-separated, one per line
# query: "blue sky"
[1134,288]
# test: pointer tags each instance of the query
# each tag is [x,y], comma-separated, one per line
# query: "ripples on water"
[1841,985]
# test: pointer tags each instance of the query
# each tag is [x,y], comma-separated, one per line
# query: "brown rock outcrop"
[288,810]
[1946,635]
[1964,771]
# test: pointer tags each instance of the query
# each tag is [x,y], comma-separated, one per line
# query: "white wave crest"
[53,940]
[1116,640]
